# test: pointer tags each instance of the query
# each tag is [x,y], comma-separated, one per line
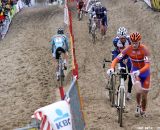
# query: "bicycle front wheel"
[120,109]
[93,36]
[112,90]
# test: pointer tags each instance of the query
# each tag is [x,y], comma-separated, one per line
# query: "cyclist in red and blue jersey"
[139,56]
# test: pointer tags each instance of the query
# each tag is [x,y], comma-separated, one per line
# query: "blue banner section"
[77,115]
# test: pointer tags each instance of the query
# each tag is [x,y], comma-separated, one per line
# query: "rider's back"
[60,40]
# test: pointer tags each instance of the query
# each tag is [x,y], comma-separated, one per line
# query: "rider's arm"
[146,67]
[146,61]
[115,40]
[67,43]
[52,40]
[119,57]
[52,43]
[114,62]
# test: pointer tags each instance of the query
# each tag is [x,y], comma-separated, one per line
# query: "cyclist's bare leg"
[138,98]
[65,55]
[103,31]
[144,100]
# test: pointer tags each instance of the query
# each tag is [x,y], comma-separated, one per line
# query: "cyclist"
[91,3]
[139,56]
[120,42]
[80,6]
[101,15]
[104,23]
[60,43]
[91,12]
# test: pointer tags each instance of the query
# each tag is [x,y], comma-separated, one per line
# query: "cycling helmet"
[122,31]
[60,31]
[98,4]
[135,37]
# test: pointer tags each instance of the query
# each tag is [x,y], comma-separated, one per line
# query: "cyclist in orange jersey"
[139,56]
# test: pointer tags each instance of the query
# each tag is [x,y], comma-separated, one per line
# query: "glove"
[110,71]
[136,73]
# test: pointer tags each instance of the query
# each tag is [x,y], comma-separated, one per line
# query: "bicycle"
[120,100]
[61,74]
[93,30]
[80,15]
[110,86]
[61,68]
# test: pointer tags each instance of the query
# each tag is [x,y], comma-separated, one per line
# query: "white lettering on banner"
[63,123]
[148,2]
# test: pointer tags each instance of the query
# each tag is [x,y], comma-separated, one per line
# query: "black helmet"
[60,31]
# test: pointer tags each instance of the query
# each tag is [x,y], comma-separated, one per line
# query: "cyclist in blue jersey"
[101,15]
[120,42]
[60,43]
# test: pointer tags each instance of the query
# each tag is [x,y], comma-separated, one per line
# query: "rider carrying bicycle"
[139,56]
[60,43]
[120,42]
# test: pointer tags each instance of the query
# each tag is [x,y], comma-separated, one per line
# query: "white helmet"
[122,31]
[98,4]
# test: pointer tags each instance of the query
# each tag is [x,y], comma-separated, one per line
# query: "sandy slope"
[26,66]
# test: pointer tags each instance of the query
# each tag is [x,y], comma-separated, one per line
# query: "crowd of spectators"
[5,11]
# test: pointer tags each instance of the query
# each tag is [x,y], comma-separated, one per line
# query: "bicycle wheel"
[89,27]
[61,75]
[120,109]
[94,36]
[80,15]
[112,90]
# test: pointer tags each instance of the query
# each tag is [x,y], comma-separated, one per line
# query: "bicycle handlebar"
[121,73]
[109,61]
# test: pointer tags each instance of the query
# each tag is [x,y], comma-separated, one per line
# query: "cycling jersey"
[119,46]
[140,61]
[100,12]
[139,57]
[59,41]
[80,5]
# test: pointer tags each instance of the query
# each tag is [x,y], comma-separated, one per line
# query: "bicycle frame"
[61,74]
[61,70]
[121,87]
[80,15]
[121,95]
[93,30]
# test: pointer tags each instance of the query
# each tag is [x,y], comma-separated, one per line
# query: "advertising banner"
[55,116]
[148,2]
